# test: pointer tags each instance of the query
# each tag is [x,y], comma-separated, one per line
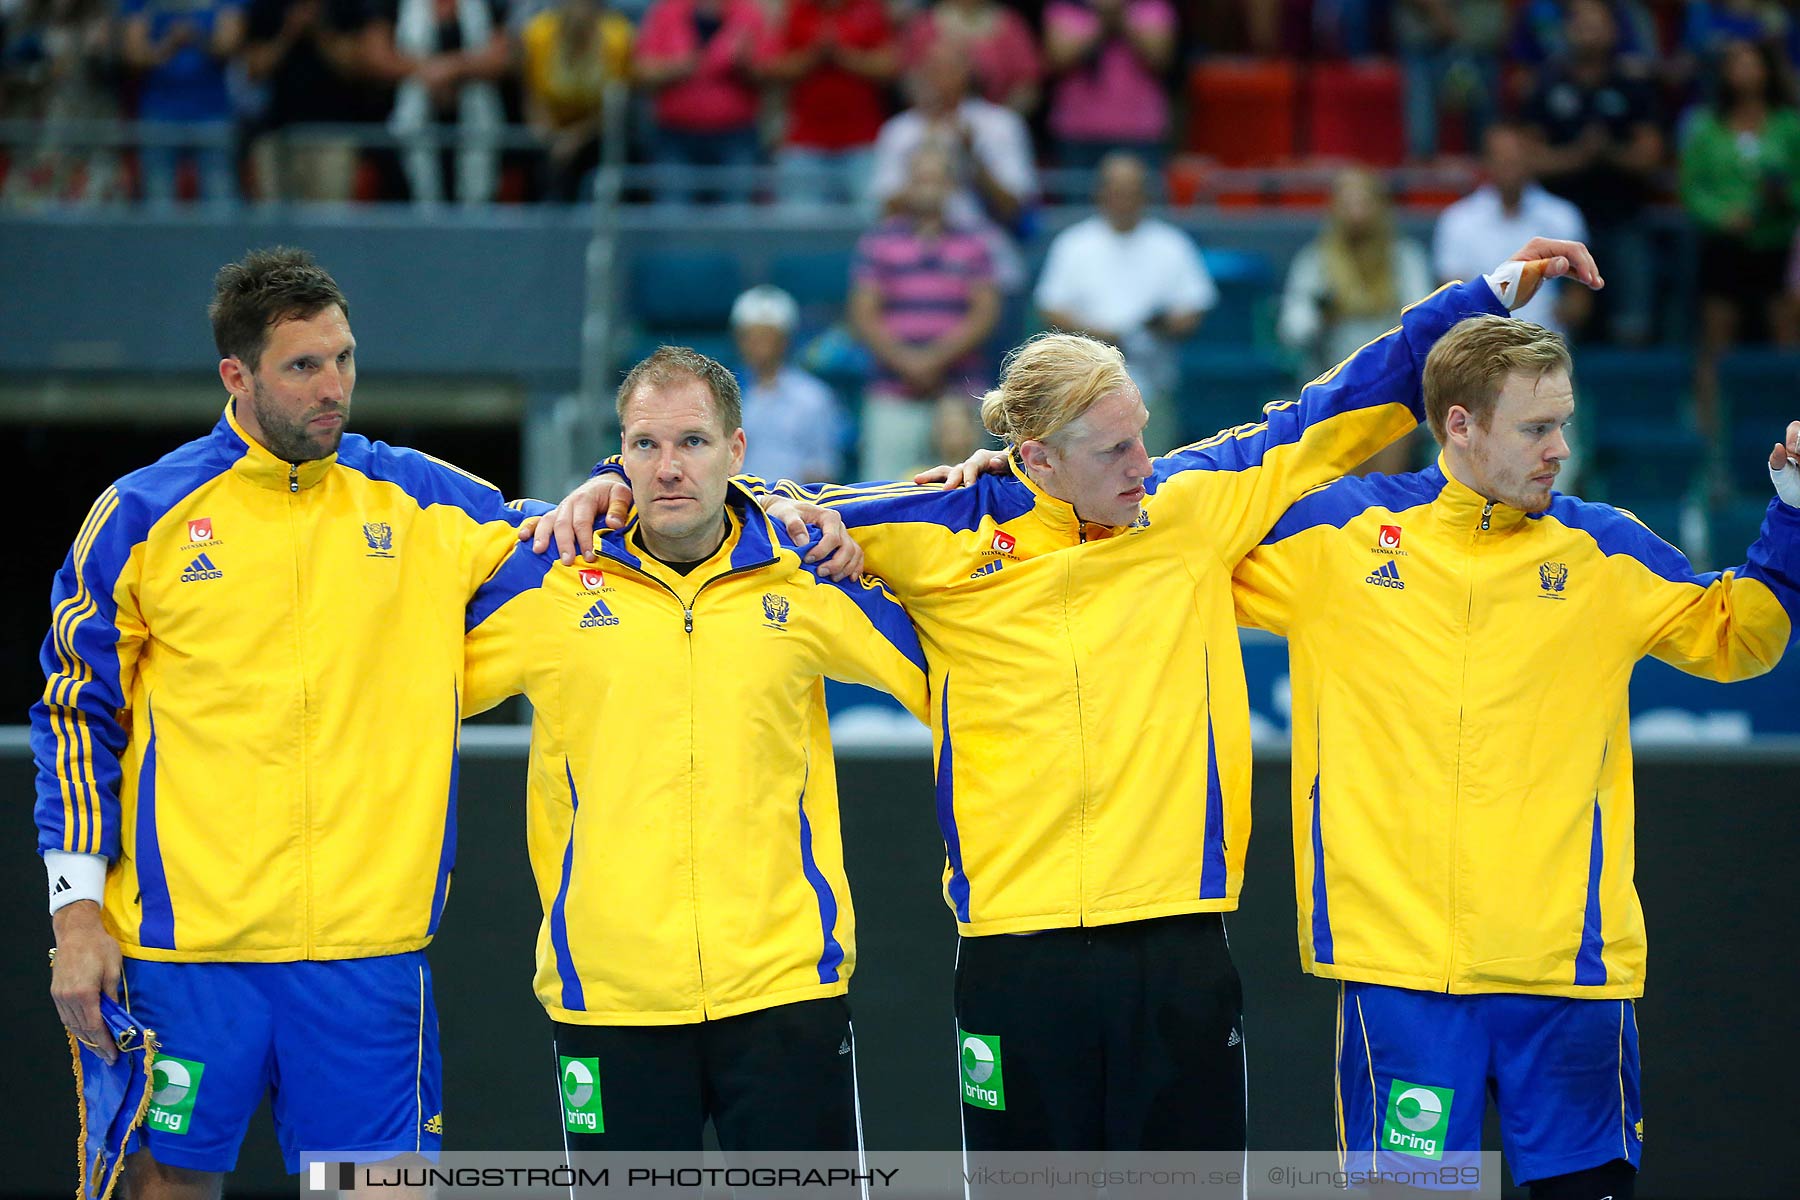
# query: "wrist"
[74,878]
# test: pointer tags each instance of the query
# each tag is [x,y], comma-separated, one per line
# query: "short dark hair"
[671,363]
[250,297]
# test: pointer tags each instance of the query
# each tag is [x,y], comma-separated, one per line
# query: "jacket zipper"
[1487,513]
[305,719]
[687,623]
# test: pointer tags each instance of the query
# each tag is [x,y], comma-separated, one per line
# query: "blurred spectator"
[987,145]
[923,299]
[56,65]
[571,52]
[1109,59]
[1740,181]
[1600,147]
[837,58]
[791,419]
[306,54]
[1131,280]
[445,58]
[1504,213]
[1000,47]
[1450,52]
[698,58]
[181,47]
[1347,286]
[1540,33]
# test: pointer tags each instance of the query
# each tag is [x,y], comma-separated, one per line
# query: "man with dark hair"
[240,631]
[697,941]
[1479,629]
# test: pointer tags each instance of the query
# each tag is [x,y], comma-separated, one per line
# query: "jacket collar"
[751,541]
[1461,507]
[1058,516]
[252,460]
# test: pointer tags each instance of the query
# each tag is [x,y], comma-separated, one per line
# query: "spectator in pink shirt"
[999,44]
[923,299]
[837,58]
[1108,59]
[698,58]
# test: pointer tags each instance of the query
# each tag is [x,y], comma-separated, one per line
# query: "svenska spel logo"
[1004,541]
[1418,1117]
[175,1085]
[200,530]
[581,1095]
[1390,537]
[983,1084]
[592,578]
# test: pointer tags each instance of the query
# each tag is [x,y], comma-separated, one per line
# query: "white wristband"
[1505,280]
[75,877]
[1787,483]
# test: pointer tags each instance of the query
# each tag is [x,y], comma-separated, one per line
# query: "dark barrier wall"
[1714,865]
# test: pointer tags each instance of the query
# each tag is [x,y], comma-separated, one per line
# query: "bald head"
[1122,191]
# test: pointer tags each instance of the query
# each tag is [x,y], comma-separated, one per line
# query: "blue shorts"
[347,1051]
[1415,1070]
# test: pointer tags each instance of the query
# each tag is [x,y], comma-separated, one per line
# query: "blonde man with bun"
[1091,728]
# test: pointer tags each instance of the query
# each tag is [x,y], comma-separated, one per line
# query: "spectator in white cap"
[792,422]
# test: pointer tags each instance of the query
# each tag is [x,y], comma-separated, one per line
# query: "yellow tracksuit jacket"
[683,819]
[254,672]
[1091,727]
[1462,791]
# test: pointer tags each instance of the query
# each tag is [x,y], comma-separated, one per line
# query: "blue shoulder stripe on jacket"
[881,610]
[959,511]
[1616,532]
[426,479]
[1343,500]
[521,572]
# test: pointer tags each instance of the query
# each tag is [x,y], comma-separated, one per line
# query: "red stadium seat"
[1242,112]
[1354,112]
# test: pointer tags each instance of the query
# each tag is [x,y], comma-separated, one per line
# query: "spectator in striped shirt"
[924,300]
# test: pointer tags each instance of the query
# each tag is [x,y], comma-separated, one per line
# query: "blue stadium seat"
[1635,412]
[1759,391]
[1245,313]
[684,290]
[818,280]
[1220,388]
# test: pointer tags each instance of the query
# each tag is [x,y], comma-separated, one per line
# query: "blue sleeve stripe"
[157,925]
[1774,561]
[1341,501]
[520,573]
[956,888]
[884,613]
[1383,372]
[75,743]
[958,511]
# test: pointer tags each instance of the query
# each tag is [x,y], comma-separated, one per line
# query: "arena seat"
[1221,387]
[1353,112]
[1242,112]
[1635,417]
[683,291]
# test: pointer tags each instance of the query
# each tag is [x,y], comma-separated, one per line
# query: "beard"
[292,441]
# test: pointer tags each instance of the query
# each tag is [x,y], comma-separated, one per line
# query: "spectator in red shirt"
[837,58]
[698,58]
[999,44]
